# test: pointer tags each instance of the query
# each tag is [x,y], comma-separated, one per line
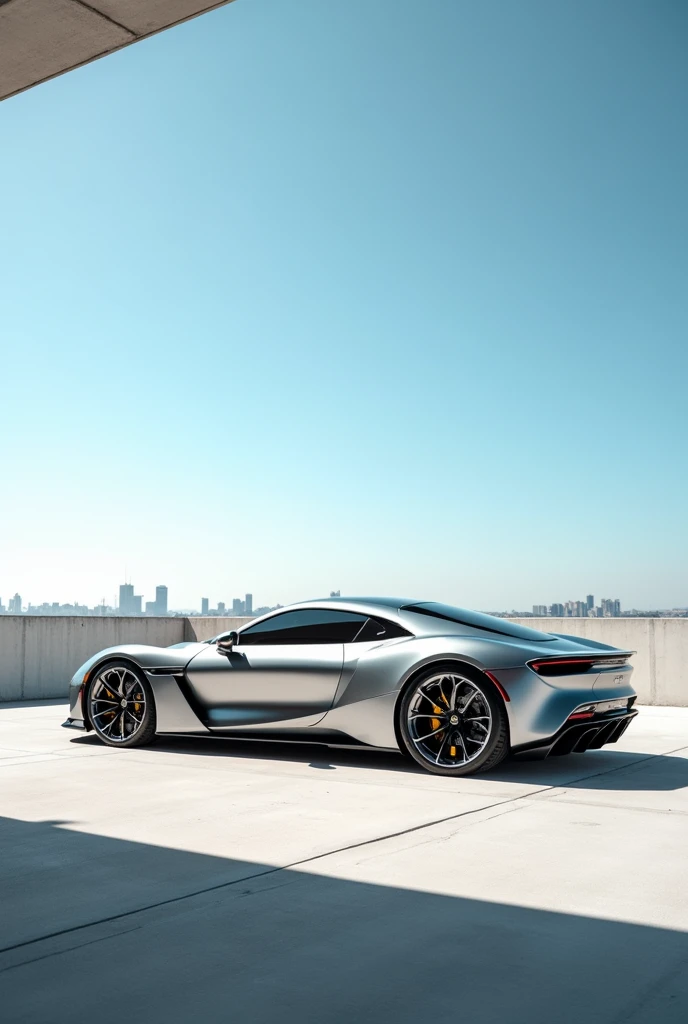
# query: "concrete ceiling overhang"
[40,39]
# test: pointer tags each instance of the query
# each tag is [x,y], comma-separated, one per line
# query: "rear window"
[477,620]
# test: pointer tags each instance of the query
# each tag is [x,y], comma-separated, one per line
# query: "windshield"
[477,620]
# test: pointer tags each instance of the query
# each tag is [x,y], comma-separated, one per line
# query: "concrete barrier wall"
[203,628]
[39,654]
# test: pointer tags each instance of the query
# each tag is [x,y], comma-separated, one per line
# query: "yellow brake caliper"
[112,697]
[436,722]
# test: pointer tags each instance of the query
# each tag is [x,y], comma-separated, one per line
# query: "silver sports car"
[455,690]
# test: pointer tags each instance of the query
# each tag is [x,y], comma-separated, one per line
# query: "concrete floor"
[234,881]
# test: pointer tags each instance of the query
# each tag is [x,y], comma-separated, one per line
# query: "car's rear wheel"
[452,722]
[121,706]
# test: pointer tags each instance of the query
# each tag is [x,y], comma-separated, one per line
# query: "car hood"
[147,657]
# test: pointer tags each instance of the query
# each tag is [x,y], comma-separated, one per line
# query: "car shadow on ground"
[99,928]
[600,769]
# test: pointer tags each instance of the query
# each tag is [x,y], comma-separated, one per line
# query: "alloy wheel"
[118,704]
[449,720]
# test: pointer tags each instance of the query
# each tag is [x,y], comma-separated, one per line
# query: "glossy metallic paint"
[172,709]
[353,689]
[261,686]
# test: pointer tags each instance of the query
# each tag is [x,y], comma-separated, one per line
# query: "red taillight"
[499,686]
[581,714]
[561,666]
[579,664]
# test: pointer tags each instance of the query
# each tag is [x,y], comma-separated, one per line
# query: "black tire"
[121,705]
[442,751]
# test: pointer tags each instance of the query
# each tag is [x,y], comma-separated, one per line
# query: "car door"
[284,671]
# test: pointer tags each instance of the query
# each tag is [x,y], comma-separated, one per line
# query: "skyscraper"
[126,599]
[204,606]
[129,602]
[237,606]
[590,601]
[248,604]
[15,605]
[161,600]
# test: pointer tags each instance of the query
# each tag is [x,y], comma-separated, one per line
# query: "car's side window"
[305,626]
[380,629]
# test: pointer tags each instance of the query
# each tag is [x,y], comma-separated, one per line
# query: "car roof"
[382,602]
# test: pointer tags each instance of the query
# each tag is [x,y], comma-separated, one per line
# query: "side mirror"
[225,645]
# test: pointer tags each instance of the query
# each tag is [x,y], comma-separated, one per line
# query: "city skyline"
[607,608]
[132,604]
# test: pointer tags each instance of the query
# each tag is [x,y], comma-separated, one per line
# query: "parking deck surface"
[216,880]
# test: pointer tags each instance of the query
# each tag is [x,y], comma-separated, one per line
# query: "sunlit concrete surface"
[40,39]
[217,881]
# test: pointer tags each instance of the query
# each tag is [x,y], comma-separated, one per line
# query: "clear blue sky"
[381,296]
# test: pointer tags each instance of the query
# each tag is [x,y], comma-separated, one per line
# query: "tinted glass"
[307,626]
[380,629]
[477,620]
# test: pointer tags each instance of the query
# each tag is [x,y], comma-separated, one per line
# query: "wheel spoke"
[481,726]
[419,739]
[108,726]
[110,690]
[442,746]
[469,701]
[433,700]
[104,680]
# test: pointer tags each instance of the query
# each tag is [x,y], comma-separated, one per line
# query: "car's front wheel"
[452,722]
[121,706]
